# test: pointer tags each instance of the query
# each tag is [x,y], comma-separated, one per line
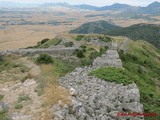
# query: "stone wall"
[96,99]
[51,51]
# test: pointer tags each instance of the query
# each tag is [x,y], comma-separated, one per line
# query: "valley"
[24,27]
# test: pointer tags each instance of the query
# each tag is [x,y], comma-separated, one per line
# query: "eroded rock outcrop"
[96,99]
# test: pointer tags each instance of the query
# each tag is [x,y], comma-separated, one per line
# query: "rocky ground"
[89,98]
[95,99]
[12,91]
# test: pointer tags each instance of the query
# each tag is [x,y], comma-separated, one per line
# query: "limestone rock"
[96,99]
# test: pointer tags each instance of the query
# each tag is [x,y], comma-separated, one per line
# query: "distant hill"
[153,8]
[115,7]
[64,4]
[86,7]
[95,27]
[147,32]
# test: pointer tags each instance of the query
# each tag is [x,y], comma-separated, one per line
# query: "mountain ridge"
[147,32]
[152,9]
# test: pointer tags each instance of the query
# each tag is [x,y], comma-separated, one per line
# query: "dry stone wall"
[96,99]
[51,51]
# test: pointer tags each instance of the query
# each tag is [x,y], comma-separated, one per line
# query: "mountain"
[147,32]
[153,8]
[115,7]
[64,4]
[86,7]
[95,27]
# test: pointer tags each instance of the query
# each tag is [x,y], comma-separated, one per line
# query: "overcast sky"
[93,2]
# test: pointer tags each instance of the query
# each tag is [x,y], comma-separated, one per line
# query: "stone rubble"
[96,99]
[52,51]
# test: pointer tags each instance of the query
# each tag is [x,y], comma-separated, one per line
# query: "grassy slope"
[113,74]
[142,65]
[47,43]
[95,27]
[143,61]
[147,32]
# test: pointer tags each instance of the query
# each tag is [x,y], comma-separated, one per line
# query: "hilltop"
[147,32]
[95,27]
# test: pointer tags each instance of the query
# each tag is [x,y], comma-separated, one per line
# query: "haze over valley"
[23,26]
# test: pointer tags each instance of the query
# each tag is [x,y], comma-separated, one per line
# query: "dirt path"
[18,94]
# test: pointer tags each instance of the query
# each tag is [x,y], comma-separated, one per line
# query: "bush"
[113,74]
[79,37]
[80,54]
[1,97]
[3,115]
[1,58]
[23,97]
[86,62]
[44,59]
[18,106]
[68,44]
[83,48]
[105,38]
[44,41]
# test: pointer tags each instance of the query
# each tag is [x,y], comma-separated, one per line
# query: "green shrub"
[1,58]
[23,97]
[1,97]
[105,38]
[141,60]
[86,62]
[44,59]
[44,41]
[113,74]
[80,54]
[18,106]
[83,48]
[79,37]
[69,44]
[3,115]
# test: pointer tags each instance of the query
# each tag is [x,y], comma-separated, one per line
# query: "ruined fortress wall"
[54,51]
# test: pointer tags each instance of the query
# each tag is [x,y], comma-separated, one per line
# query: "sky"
[92,2]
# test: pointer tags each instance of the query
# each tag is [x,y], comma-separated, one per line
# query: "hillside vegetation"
[95,27]
[142,66]
[45,43]
[143,61]
[147,32]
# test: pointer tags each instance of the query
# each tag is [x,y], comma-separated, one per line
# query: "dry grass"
[53,92]
[20,36]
